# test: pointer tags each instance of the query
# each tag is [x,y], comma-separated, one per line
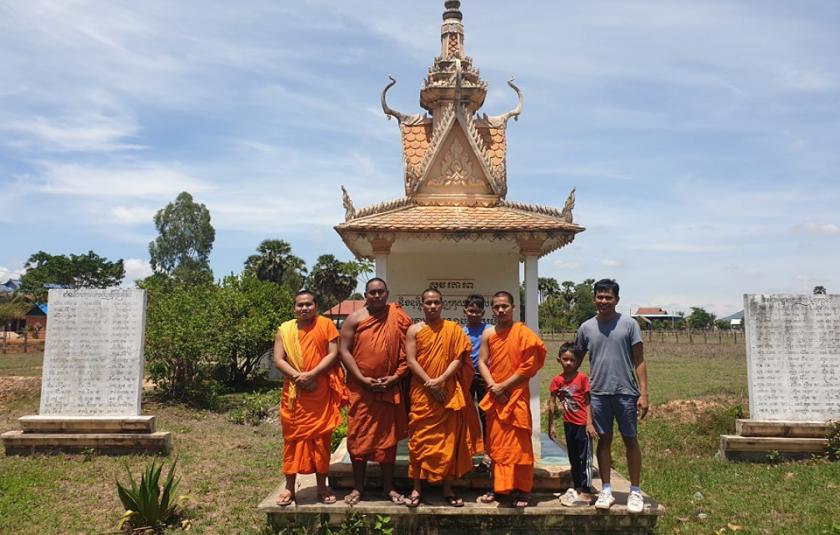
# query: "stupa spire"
[452,31]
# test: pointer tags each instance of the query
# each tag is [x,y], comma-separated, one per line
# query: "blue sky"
[702,137]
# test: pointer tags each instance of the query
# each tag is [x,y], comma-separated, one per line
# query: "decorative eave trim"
[383,207]
[552,240]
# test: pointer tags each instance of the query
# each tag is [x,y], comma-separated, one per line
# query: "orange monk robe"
[443,436]
[378,420]
[309,421]
[517,351]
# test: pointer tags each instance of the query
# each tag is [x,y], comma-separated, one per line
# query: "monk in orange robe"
[306,351]
[510,355]
[373,352]
[443,425]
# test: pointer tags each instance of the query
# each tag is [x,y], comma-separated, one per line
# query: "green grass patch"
[21,364]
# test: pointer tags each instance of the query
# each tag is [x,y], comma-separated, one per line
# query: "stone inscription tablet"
[793,356]
[93,354]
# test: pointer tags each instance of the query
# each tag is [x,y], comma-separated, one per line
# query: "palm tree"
[276,263]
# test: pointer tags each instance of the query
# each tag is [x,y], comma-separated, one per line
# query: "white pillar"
[382,266]
[532,319]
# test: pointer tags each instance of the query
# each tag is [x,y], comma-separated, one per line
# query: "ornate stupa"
[455,172]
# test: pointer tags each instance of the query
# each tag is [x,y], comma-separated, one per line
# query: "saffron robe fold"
[443,436]
[309,418]
[515,351]
[378,420]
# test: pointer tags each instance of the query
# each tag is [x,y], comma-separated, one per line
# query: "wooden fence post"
[25,341]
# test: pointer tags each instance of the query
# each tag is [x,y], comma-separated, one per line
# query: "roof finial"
[452,10]
[452,31]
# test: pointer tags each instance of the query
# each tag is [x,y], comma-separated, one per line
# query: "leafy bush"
[201,339]
[147,504]
[340,431]
[833,437]
[255,407]
[719,421]
[179,352]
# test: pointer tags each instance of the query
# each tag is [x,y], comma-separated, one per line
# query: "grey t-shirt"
[610,345]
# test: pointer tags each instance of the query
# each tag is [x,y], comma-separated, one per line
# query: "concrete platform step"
[552,473]
[733,447]
[435,517]
[87,424]
[764,428]
[20,443]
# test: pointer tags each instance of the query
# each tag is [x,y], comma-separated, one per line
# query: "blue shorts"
[616,407]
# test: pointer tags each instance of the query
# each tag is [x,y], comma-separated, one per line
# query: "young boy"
[474,328]
[571,388]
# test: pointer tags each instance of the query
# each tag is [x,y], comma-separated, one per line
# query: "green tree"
[274,262]
[69,271]
[700,319]
[820,290]
[547,287]
[179,339]
[246,315]
[185,239]
[569,306]
[334,280]
[723,325]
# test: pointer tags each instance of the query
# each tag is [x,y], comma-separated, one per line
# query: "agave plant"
[146,503]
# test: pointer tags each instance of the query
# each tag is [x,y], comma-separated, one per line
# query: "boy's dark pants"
[580,455]
[478,389]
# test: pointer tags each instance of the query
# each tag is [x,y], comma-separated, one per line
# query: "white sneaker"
[605,500]
[635,502]
[569,498]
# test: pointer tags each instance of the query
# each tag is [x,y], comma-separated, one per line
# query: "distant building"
[339,312]
[10,286]
[736,321]
[647,315]
[36,319]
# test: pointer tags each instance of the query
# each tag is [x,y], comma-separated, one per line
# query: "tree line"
[203,336]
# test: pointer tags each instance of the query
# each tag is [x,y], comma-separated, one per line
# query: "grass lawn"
[227,468]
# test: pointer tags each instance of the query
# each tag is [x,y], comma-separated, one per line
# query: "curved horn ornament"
[390,112]
[515,112]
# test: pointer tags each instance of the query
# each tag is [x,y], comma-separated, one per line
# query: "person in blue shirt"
[474,312]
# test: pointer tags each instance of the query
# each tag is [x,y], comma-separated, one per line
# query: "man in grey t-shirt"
[618,381]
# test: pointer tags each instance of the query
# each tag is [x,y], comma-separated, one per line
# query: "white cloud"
[82,132]
[132,215]
[817,229]
[611,263]
[566,264]
[7,273]
[136,269]
[113,181]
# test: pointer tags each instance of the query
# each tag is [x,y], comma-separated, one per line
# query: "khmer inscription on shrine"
[93,354]
[793,356]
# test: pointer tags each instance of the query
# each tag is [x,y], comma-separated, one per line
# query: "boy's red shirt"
[574,400]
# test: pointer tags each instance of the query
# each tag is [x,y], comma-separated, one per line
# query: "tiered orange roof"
[455,165]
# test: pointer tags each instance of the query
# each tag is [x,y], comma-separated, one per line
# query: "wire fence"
[666,337]
[23,342]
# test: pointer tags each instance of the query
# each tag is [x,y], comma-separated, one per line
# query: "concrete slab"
[552,472]
[87,424]
[433,516]
[20,443]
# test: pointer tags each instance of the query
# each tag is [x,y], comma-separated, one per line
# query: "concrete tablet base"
[434,517]
[105,435]
[552,472]
[759,440]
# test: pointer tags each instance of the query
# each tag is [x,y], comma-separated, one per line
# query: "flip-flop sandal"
[454,501]
[520,501]
[285,500]
[327,499]
[396,498]
[487,497]
[353,498]
[413,500]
